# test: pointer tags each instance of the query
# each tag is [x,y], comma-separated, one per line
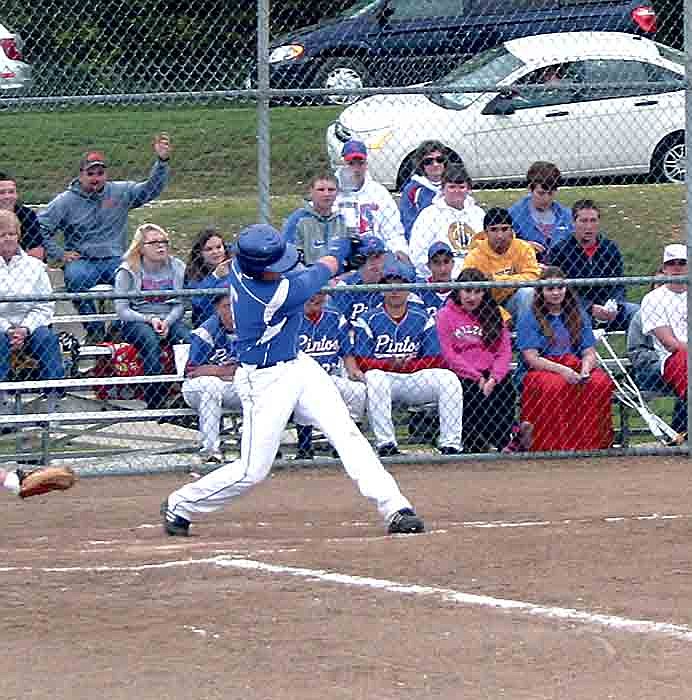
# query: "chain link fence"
[453,107]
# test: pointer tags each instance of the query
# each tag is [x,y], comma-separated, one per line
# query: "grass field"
[215,160]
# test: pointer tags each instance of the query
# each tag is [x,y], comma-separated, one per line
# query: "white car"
[15,73]
[549,97]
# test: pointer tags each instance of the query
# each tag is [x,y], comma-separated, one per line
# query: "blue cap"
[439,247]
[371,245]
[354,149]
[394,269]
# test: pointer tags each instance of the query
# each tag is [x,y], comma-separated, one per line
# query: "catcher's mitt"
[44,480]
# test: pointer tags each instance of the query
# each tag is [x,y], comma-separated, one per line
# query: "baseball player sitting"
[323,334]
[275,381]
[441,263]
[208,386]
[398,357]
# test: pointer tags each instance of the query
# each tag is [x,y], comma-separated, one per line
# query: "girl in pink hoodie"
[476,346]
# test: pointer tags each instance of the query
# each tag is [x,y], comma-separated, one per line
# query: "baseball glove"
[44,480]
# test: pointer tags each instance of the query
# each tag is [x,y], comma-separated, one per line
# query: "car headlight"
[289,52]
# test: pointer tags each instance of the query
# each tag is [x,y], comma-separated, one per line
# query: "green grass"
[215,158]
[215,146]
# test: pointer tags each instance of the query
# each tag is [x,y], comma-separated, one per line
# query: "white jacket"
[440,222]
[375,212]
[24,275]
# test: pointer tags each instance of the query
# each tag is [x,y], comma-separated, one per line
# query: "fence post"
[688,206]
[263,126]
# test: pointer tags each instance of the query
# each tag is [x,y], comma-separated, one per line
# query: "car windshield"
[358,9]
[671,54]
[483,71]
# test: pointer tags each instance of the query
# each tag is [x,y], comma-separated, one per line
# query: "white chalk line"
[445,595]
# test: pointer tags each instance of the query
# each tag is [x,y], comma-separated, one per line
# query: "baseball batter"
[397,349]
[274,381]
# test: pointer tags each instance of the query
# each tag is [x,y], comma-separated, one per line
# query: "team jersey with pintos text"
[351,305]
[212,344]
[268,314]
[379,339]
[326,339]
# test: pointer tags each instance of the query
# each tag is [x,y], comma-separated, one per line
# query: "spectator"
[537,217]
[92,215]
[664,316]
[311,227]
[646,365]
[440,263]
[147,322]
[565,396]
[476,346]
[207,268]
[365,205]
[453,218]
[504,258]
[430,161]
[208,385]
[398,358]
[588,253]
[323,334]
[25,325]
[30,238]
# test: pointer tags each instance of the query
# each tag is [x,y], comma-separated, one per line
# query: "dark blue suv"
[377,43]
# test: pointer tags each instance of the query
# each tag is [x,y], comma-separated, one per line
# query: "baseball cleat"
[405,522]
[174,525]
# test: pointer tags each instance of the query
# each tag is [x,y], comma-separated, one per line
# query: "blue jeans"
[148,344]
[43,346]
[519,302]
[83,274]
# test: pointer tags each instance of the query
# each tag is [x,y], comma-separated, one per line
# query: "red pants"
[675,373]
[568,416]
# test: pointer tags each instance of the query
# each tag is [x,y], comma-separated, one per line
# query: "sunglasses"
[163,243]
[434,159]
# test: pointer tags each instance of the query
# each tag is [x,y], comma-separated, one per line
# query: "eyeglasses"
[434,159]
[165,244]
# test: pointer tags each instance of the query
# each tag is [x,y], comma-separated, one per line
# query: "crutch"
[629,394]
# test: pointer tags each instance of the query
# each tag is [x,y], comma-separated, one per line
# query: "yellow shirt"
[517,264]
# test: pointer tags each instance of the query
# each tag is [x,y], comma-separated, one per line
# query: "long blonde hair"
[133,255]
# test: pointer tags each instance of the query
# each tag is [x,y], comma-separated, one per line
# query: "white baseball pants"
[269,398]
[208,396]
[439,386]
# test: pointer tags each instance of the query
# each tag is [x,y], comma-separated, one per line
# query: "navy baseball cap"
[439,247]
[354,150]
[371,245]
[395,269]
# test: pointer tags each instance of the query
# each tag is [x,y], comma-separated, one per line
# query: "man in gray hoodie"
[92,215]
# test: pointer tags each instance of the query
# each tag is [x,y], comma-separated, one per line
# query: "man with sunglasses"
[92,215]
[538,218]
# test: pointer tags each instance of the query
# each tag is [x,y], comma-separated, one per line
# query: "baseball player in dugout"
[398,356]
[274,381]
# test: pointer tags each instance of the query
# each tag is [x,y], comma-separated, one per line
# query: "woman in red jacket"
[564,395]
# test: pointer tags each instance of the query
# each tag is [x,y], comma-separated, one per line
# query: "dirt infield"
[534,580]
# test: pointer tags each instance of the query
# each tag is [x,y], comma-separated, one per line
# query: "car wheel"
[668,162]
[344,74]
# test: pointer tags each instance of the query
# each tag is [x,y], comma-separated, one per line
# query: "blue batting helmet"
[261,248]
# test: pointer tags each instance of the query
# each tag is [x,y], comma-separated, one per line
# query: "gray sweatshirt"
[95,224]
[168,277]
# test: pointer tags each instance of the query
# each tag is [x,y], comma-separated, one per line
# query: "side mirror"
[500,104]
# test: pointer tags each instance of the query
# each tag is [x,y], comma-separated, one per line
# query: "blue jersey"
[378,335]
[432,299]
[212,344]
[352,304]
[326,340]
[268,313]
